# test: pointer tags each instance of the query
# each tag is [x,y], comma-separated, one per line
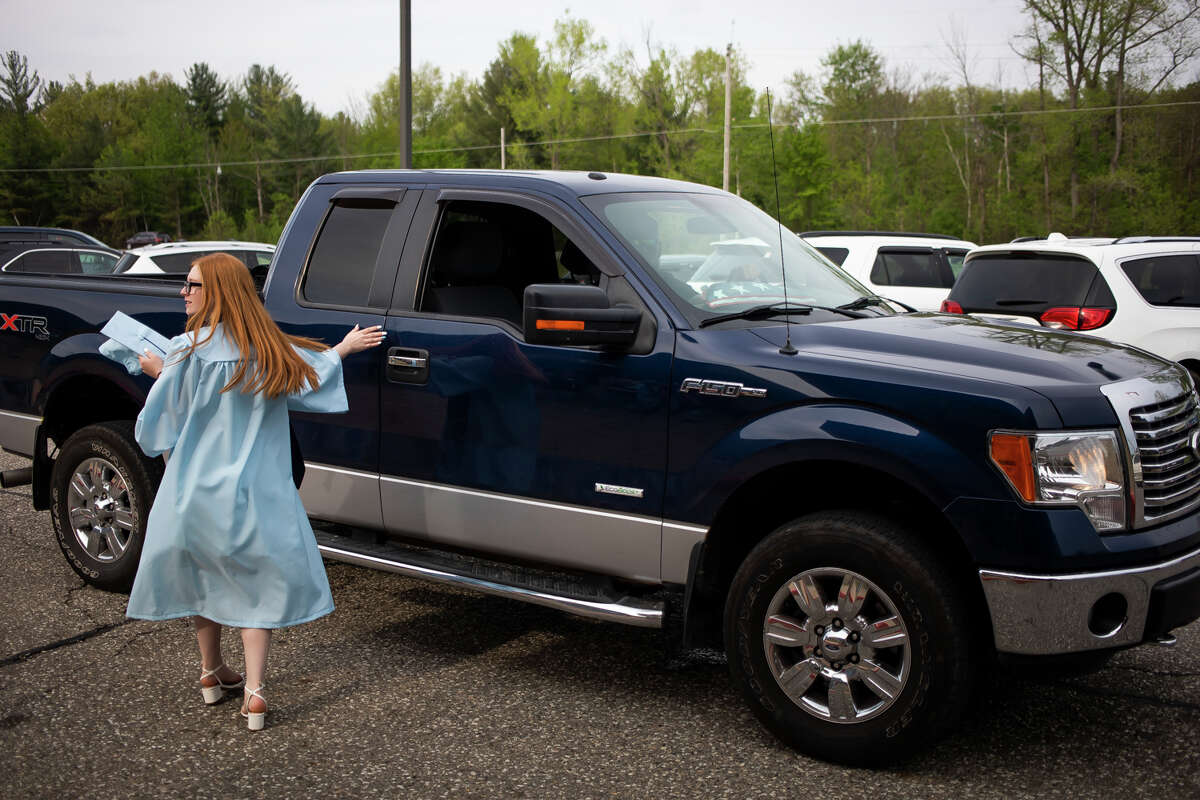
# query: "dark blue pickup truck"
[602,393]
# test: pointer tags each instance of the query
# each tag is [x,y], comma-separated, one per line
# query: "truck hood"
[1066,368]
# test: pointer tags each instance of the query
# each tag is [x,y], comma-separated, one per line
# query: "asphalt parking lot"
[416,690]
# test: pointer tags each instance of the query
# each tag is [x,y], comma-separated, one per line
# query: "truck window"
[485,254]
[342,264]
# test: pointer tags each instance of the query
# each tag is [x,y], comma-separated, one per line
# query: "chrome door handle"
[408,362]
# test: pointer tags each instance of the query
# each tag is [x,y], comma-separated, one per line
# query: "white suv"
[1138,290]
[916,269]
[177,257]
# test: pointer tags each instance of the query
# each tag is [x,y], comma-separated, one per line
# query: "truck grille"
[1169,445]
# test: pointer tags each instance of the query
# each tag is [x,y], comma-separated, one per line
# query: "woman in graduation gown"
[228,541]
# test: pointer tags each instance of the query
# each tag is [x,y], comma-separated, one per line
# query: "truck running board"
[586,597]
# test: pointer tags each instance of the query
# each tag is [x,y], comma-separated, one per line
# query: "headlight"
[1079,468]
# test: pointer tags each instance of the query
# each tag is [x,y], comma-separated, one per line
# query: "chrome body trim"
[606,542]
[342,495]
[18,432]
[628,613]
[1048,614]
[678,540]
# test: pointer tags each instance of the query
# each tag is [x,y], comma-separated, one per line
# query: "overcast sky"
[339,52]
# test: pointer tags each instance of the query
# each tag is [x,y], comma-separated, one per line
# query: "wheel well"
[784,493]
[83,400]
[1194,365]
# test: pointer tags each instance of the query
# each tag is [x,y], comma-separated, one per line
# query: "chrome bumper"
[1053,614]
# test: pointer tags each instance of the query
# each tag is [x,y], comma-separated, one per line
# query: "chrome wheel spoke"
[851,596]
[96,472]
[80,485]
[786,631]
[124,518]
[797,678]
[808,596]
[115,546]
[841,702]
[82,517]
[886,633]
[879,680]
[91,542]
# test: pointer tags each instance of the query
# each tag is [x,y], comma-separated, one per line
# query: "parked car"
[57,258]
[30,233]
[1143,291]
[916,269]
[143,238]
[177,257]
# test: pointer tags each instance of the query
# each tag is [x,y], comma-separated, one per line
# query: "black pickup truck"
[864,507]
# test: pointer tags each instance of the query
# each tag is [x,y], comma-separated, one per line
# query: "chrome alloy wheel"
[836,645]
[99,509]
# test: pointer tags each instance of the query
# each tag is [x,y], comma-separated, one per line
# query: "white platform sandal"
[213,694]
[255,720]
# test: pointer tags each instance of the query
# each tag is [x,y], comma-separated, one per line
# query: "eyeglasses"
[191,286]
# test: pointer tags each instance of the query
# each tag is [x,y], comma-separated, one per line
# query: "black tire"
[102,487]
[905,633]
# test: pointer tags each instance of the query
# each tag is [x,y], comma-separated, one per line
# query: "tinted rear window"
[178,262]
[49,261]
[1021,284]
[909,267]
[342,266]
[1166,280]
[835,254]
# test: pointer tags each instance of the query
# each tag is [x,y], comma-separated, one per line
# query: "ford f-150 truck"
[863,506]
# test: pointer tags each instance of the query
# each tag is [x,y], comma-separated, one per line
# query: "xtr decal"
[24,323]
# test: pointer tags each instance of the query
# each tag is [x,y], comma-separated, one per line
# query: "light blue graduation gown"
[228,538]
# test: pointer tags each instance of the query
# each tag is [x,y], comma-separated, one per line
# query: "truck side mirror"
[574,314]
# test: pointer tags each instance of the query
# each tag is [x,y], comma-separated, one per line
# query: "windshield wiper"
[778,309]
[868,300]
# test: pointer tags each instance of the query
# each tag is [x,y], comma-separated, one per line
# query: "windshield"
[719,254]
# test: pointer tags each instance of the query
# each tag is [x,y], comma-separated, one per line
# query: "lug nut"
[854,637]
[854,658]
[837,665]
[837,624]
[819,630]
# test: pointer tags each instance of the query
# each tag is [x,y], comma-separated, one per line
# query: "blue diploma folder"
[129,339]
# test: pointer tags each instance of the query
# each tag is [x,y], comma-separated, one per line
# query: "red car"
[144,238]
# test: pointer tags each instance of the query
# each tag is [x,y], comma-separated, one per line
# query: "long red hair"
[265,352]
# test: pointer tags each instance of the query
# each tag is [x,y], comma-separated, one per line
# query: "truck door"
[345,278]
[493,444]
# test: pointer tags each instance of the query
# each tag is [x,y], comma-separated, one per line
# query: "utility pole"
[502,151]
[728,117]
[405,84]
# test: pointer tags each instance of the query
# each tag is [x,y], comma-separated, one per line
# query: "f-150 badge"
[720,388]
[24,323]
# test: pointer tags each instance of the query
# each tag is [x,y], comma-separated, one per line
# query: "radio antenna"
[787,348]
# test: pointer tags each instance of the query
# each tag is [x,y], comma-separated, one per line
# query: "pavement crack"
[137,635]
[45,648]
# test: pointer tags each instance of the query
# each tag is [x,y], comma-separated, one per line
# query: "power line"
[605,137]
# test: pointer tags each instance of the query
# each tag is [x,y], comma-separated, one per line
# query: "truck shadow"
[1020,727]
